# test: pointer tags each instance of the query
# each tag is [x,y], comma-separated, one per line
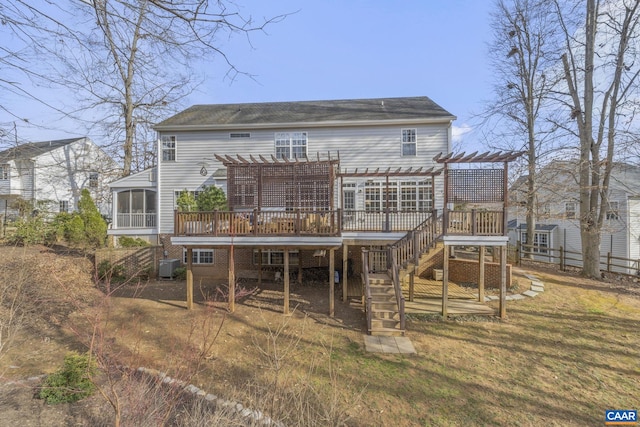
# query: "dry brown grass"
[561,358]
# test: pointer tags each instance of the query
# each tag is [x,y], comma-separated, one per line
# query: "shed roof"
[346,111]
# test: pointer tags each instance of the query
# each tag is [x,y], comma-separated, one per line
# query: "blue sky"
[334,49]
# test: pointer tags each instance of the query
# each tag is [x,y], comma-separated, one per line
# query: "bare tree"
[601,74]
[129,62]
[522,53]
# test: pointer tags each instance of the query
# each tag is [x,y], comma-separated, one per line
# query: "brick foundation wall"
[462,270]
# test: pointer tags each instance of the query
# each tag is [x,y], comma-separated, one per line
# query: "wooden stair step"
[386,332]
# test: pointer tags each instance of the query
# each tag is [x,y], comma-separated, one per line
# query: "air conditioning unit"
[167,268]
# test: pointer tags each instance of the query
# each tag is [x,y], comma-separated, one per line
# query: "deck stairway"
[383,298]
[385,315]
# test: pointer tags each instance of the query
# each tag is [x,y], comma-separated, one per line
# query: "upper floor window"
[291,145]
[4,172]
[570,210]
[168,148]
[409,145]
[612,212]
[93,179]
[63,206]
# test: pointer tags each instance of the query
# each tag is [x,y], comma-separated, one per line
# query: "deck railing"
[257,223]
[136,220]
[382,221]
[474,223]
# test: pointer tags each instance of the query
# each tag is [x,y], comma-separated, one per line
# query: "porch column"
[503,282]
[331,282]
[286,282]
[445,282]
[189,279]
[345,277]
[481,274]
[232,281]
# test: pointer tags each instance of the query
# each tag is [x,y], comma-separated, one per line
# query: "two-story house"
[558,211]
[50,175]
[328,185]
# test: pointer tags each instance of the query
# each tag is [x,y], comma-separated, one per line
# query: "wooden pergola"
[476,186]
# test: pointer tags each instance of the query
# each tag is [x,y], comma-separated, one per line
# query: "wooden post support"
[345,277]
[481,274]
[299,272]
[331,282]
[503,282]
[259,262]
[411,285]
[445,282]
[286,282]
[232,281]
[189,279]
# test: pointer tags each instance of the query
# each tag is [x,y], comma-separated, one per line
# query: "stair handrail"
[367,288]
[395,279]
[417,241]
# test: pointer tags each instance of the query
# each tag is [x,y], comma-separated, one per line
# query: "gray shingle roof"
[34,149]
[309,112]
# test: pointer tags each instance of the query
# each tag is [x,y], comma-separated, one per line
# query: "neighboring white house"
[558,209]
[51,175]
[365,134]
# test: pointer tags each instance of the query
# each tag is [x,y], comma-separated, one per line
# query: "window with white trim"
[176,195]
[291,145]
[409,142]
[169,148]
[349,196]
[63,206]
[198,256]
[4,172]
[613,211]
[275,257]
[570,210]
[540,242]
[416,195]
[93,179]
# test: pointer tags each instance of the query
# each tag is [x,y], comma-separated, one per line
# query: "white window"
[93,179]
[4,172]
[409,145]
[612,212]
[168,148]
[199,256]
[540,243]
[349,199]
[570,210]
[274,257]
[416,196]
[63,206]
[291,145]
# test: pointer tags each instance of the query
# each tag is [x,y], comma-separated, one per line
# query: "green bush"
[211,198]
[132,242]
[70,383]
[180,273]
[95,227]
[186,201]
[110,273]
[30,231]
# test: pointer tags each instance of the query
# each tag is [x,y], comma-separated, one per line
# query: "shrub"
[110,273]
[186,201]
[74,230]
[70,383]
[30,231]
[180,273]
[132,242]
[211,198]
[95,227]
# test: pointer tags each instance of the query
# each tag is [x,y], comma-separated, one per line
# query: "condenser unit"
[167,268]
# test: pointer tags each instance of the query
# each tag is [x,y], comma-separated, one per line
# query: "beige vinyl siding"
[358,147]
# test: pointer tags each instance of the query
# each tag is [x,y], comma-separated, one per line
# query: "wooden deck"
[428,298]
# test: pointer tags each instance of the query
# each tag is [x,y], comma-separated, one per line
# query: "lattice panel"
[475,185]
[282,185]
